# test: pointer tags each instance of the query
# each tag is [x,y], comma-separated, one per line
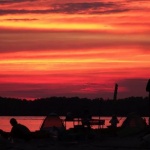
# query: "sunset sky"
[74,48]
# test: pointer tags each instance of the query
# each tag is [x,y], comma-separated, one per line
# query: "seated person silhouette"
[86,119]
[113,121]
[18,131]
[69,116]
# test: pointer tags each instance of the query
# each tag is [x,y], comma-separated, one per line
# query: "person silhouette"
[17,131]
[69,116]
[114,121]
[86,118]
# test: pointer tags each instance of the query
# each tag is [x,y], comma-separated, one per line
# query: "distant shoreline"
[62,105]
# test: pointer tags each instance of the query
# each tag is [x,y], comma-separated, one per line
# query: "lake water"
[34,122]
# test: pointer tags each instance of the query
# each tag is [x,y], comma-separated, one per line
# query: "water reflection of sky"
[34,122]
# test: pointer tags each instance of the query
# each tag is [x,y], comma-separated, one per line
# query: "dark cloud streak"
[73,8]
[24,19]
[14,1]
[89,8]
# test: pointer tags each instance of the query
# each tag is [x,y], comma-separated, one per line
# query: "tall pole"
[149,108]
[115,98]
[148,90]
[115,92]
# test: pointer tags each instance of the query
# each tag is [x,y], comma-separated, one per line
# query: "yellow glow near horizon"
[63,26]
[72,47]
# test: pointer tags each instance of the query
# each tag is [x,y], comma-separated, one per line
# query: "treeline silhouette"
[76,105]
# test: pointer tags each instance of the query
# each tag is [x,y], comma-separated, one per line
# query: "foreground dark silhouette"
[18,131]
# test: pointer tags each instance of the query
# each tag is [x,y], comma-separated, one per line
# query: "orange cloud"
[73,48]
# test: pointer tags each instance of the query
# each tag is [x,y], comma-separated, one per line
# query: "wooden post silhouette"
[115,98]
[148,90]
[115,92]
